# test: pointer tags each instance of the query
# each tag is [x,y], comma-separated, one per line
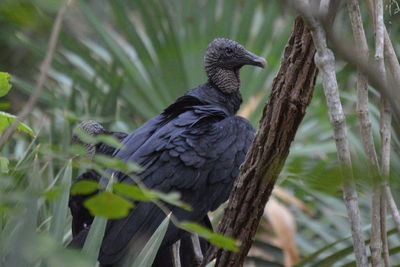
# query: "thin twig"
[379,29]
[176,253]
[362,85]
[44,68]
[198,254]
[383,46]
[393,207]
[390,91]
[365,125]
[391,59]
[376,235]
[325,62]
[385,243]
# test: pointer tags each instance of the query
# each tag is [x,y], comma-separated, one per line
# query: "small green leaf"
[108,205]
[5,85]
[94,239]
[109,140]
[84,187]
[7,119]
[96,233]
[53,193]
[215,239]
[60,206]
[174,199]
[86,137]
[148,254]
[113,163]
[134,192]
[140,194]
[4,164]
[5,105]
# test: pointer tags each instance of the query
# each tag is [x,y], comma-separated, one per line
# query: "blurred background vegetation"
[121,62]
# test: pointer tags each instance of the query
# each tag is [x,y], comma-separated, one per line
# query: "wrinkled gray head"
[90,127]
[223,60]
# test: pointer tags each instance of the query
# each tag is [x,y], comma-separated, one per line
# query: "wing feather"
[197,154]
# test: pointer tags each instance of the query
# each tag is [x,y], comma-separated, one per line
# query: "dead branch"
[291,94]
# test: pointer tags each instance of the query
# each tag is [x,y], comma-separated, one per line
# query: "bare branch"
[362,85]
[175,252]
[198,254]
[376,237]
[325,62]
[393,207]
[366,132]
[379,29]
[385,243]
[391,59]
[290,95]
[44,68]
[394,72]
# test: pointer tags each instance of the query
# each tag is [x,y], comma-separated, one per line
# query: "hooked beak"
[252,59]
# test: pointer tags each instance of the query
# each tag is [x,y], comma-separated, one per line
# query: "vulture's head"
[223,60]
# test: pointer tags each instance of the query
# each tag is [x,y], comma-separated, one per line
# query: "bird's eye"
[228,51]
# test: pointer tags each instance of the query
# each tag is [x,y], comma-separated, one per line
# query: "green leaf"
[96,232]
[106,139]
[174,199]
[108,205]
[4,164]
[109,140]
[113,163]
[5,85]
[215,239]
[134,192]
[60,207]
[141,194]
[94,239]
[7,119]
[84,187]
[148,254]
[53,193]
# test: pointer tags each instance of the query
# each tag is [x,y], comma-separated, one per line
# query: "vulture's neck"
[209,94]
[227,81]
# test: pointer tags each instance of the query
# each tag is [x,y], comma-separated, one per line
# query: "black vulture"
[82,219]
[194,147]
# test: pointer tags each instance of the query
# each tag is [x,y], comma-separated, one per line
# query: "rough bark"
[291,93]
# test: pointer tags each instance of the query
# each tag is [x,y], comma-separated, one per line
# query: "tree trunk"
[291,93]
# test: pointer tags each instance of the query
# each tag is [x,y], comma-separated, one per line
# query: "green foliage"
[108,205]
[7,119]
[93,241]
[60,205]
[134,192]
[148,254]
[106,139]
[5,85]
[214,238]
[84,187]
[122,62]
[4,162]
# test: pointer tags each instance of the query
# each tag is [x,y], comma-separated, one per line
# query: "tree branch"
[376,235]
[325,62]
[291,94]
